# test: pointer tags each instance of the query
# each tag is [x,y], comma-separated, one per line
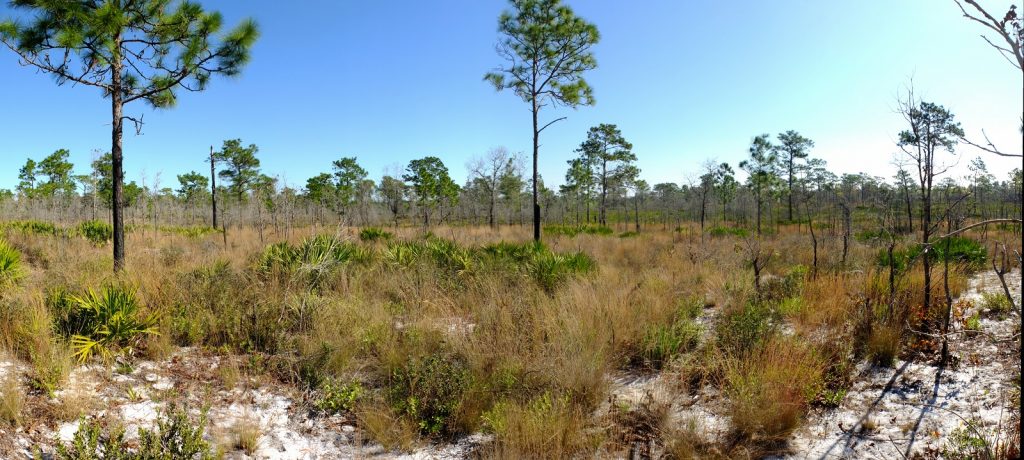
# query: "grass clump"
[12,401]
[883,345]
[546,426]
[663,342]
[770,390]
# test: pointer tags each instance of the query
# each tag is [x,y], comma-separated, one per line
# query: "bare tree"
[1010,29]
[487,172]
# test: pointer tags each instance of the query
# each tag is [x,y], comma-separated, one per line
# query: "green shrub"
[315,260]
[866,236]
[10,265]
[996,302]
[374,234]
[33,227]
[430,391]
[628,234]
[110,323]
[573,230]
[550,269]
[97,232]
[961,250]
[193,231]
[966,442]
[176,437]
[724,231]
[743,329]
[336,398]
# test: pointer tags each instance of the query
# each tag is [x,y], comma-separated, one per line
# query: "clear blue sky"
[392,81]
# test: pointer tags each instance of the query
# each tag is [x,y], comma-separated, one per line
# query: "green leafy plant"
[374,234]
[11,270]
[97,232]
[430,392]
[176,437]
[111,323]
[336,397]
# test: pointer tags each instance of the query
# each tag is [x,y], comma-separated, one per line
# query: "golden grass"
[537,360]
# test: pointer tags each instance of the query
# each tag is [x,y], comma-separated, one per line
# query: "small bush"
[996,302]
[550,269]
[573,230]
[725,231]
[741,330]
[176,437]
[336,398]
[629,234]
[374,234]
[99,233]
[110,323]
[429,391]
[34,227]
[961,250]
[966,442]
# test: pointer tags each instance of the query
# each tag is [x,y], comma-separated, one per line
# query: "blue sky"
[685,81]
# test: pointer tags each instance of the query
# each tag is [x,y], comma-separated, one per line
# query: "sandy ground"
[905,411]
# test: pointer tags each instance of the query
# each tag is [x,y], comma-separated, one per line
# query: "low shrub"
[996,302]
[961,250]
[966,442]
[335,398]
[573,230]
[109,323]
[98,233]
[742,329]
[176,437]
[430,392]
[374,234]
[11,270]
[628,234]
[33,227]
[725,231]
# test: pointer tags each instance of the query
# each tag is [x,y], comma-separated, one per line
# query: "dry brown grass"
[518,342]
